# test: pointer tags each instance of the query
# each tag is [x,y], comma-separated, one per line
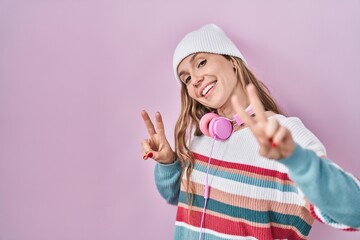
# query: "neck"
[227,109]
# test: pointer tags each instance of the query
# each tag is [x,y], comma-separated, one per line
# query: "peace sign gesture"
[156,146]
[275,140]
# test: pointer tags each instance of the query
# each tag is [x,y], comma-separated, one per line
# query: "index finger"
[148,123]
[256,103]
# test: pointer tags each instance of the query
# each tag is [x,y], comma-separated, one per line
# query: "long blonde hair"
[192,111]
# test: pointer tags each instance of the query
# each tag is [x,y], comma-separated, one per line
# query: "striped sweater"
[252,197]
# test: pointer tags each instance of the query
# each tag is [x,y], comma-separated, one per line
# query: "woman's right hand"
[156,146]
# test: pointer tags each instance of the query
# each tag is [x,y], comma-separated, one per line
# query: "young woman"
[241,169]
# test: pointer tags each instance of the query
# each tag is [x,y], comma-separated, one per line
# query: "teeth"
[206,90]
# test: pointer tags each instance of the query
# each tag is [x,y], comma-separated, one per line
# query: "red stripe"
[351,229]
[243,167]
[312,212]
[283,233]
[230,227]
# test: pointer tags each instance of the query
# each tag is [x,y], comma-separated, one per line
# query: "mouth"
[207,88]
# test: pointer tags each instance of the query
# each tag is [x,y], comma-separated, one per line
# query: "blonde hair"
[192,111]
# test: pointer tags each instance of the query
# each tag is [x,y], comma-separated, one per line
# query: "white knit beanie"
[210,39]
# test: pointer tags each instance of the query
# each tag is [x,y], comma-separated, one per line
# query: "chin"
[214,105]
[215,101]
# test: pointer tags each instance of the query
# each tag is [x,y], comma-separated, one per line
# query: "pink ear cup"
[220,128]
[205,121]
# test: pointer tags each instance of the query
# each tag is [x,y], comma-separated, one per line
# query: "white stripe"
[247,190]
[212,232]
[247,150]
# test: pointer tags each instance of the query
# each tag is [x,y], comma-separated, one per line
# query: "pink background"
[74,76]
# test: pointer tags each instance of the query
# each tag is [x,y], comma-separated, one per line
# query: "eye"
[202,63]
[187,80]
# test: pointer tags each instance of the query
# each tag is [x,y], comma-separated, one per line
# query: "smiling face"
[210,79]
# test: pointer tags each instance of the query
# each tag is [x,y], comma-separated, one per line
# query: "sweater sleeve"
[167,179]
[333,193]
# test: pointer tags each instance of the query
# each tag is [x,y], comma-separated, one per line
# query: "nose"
[197,79]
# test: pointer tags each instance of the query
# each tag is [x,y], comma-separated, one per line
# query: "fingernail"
[150,155]
[270,140]
[274,145]
[144,157]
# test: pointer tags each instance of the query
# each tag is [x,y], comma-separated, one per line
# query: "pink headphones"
[220,128]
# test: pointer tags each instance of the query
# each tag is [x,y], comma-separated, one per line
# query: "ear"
[235,68]
[233,63]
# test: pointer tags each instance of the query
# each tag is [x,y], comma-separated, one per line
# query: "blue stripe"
[184,233]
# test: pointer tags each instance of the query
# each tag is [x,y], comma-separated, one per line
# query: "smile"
[208,88]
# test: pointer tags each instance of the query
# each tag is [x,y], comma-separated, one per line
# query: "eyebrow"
[191,60]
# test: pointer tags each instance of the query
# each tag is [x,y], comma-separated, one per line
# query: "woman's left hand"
[275,140]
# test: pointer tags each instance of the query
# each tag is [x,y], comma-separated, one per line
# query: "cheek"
[231,76]
[233,81]
[229,80]
[191,92]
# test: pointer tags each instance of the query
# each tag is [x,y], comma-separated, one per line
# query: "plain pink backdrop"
[74,76]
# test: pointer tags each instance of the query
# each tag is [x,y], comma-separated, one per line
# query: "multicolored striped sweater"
[252,197]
